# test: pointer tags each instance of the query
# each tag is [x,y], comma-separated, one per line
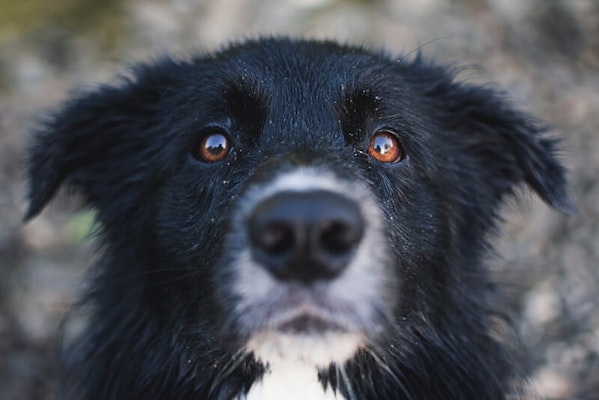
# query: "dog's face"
[296,200]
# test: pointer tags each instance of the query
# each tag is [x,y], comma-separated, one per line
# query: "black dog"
[292,218]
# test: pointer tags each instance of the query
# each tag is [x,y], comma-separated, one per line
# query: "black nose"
[305,236]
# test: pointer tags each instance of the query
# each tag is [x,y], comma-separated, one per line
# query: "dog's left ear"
[508,146]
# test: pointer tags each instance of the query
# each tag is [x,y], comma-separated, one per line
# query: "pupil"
[382,145]
[215,144]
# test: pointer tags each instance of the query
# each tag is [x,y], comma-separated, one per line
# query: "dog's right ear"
[99,144]
[45,172]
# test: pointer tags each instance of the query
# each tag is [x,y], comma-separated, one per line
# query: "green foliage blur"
[103,19]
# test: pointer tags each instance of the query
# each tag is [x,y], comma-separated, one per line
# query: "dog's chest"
[290,382]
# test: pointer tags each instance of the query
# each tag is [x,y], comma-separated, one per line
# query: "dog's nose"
[305,236]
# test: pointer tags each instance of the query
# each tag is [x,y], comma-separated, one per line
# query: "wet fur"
[158,308]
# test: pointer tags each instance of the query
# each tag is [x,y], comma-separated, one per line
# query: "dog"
[292,219]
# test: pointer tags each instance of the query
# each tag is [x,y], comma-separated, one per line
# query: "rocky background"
[544,53]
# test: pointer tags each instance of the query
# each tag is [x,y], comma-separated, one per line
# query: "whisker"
[420,47]
[388,370]
[350,389]
[230,366]
[173,279]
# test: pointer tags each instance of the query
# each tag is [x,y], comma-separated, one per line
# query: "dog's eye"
[385,147]
[212,146]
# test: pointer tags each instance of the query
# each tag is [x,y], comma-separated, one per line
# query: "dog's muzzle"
[308,267]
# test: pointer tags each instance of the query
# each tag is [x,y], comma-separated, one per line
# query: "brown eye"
[213,147]
[385,147]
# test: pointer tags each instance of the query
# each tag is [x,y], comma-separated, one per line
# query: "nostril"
[339,237]
[276,238]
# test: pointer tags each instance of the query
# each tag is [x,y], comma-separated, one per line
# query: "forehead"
[301,69]
[294,92]
[302,83]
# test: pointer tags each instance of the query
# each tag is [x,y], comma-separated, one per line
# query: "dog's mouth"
[305,317]
[307,324]
[307,335]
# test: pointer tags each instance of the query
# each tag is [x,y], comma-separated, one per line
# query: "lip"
[307,323]
[308,316]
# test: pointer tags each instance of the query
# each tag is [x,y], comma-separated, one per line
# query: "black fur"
[158,324]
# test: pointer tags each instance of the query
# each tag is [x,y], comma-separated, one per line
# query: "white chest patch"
[290,382]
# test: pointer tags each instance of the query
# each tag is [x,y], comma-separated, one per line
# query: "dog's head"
[298,200]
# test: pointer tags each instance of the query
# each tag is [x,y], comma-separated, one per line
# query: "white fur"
[315,350]
[290,381]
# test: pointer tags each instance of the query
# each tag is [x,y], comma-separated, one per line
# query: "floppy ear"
[99,143]
[508,146]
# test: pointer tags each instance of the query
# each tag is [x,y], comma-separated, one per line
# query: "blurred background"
[544,53]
